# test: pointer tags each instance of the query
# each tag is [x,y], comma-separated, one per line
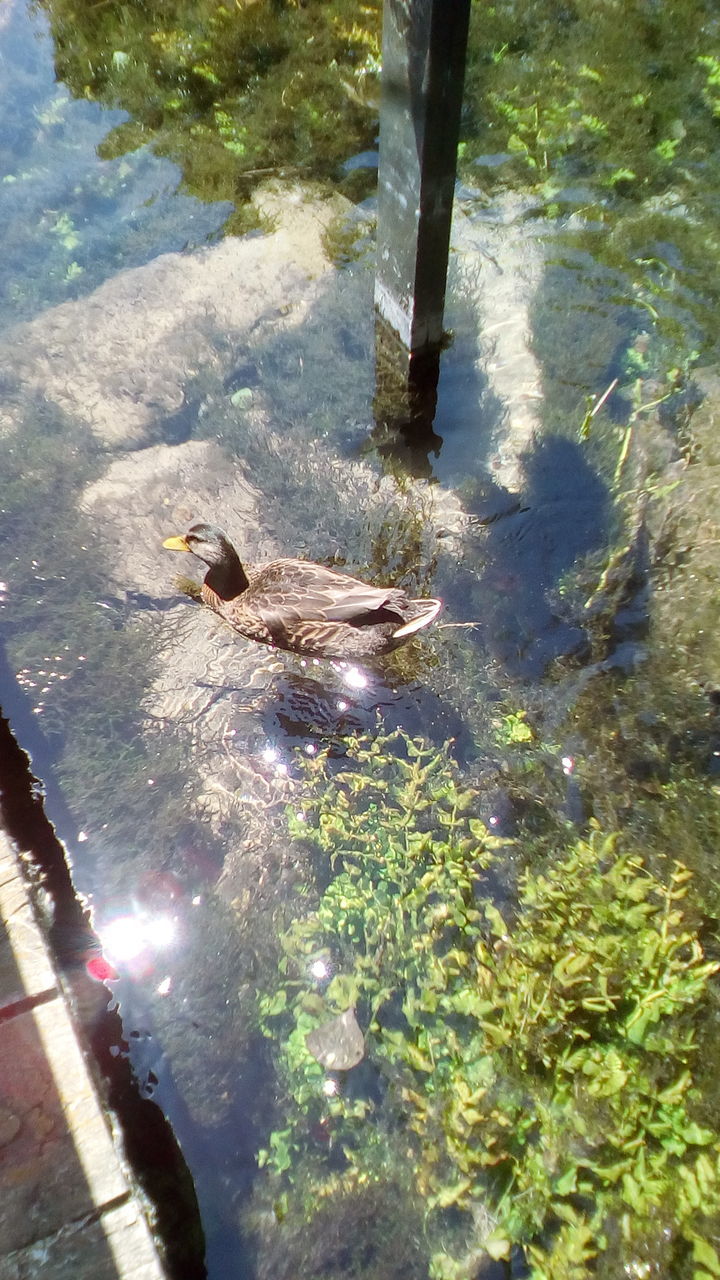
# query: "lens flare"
[131,937]
[356,678]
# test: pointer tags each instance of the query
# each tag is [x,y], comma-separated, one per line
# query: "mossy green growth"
[534,1062]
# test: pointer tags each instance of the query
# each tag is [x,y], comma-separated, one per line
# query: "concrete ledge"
[68,1207]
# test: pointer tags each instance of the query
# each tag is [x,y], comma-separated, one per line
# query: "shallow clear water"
[234,379]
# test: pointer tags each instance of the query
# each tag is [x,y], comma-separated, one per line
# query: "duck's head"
[207,542]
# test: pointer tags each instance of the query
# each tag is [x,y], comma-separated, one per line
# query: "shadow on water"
[531,541]
[161,1139]
[222,1157]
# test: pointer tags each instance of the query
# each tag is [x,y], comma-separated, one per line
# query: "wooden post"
[423,56]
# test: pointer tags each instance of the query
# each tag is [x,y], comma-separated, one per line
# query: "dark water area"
[464,856]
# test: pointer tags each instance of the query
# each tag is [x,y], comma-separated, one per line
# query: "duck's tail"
[424,612]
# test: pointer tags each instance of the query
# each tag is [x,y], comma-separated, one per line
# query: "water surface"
[158,370]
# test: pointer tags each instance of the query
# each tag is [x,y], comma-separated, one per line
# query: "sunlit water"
[168,746]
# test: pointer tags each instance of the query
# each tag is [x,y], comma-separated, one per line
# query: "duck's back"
[306,608]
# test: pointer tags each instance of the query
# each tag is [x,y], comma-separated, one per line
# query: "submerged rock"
[120,359]
[338,1044]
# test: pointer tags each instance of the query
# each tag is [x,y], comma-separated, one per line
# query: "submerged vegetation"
[608,113]
[530,1044]
[63,633]
[625,92]
[539,1013]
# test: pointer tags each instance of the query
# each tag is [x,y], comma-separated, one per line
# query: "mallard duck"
[301,606]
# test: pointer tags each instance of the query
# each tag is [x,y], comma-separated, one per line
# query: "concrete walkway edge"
[69,1208]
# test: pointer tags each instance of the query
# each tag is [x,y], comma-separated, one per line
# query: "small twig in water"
[585,424]
[627,438]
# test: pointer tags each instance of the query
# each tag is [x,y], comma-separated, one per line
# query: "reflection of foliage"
[68,218]
[229,92]
[614,88]
[595,103]
[541,1056]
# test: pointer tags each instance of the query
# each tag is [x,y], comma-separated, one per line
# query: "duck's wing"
[297,591]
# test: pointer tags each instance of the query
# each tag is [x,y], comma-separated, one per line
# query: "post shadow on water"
[532,537]
[561,515]
[434,412]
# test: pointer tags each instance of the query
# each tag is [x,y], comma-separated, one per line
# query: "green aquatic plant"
[514,729]
[534,1060]
[609,114]
[711,94]
[65,231]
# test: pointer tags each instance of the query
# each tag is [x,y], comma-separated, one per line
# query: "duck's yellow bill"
[176,544]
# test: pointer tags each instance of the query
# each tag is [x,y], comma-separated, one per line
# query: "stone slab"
[67,1207]
[25,969]
[118,1244]
[57,1161]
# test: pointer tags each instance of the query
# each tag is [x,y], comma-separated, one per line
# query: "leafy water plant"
[529,1049]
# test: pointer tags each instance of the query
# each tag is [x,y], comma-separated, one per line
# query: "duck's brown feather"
[307,608]
[311,592]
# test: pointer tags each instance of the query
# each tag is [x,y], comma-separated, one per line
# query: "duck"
[301,606]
